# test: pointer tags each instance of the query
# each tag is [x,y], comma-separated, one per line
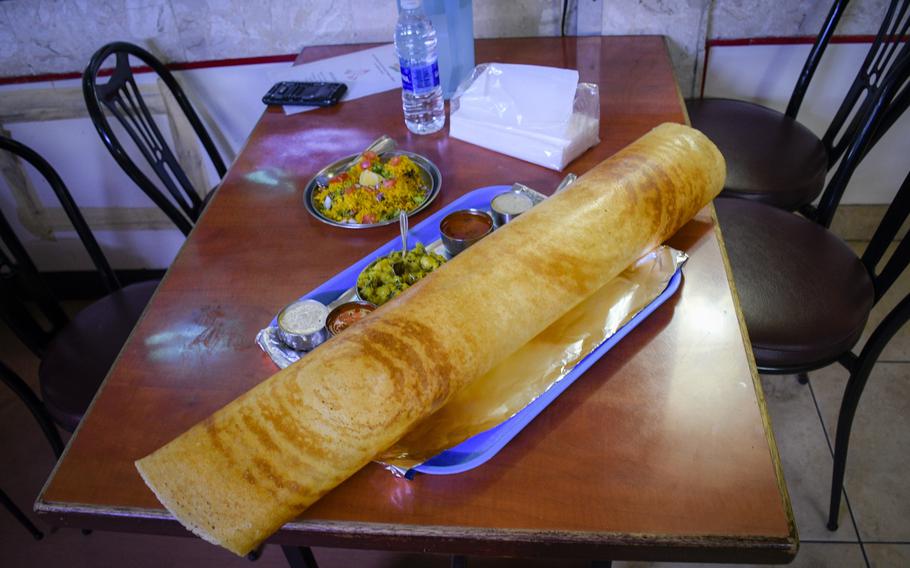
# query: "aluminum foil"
[533,369]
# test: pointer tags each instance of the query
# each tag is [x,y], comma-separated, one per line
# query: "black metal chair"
[774,159]
[120,96]
[39,412]
[76,353]
[805,295]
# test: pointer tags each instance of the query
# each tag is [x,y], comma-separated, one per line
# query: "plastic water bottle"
[421,93]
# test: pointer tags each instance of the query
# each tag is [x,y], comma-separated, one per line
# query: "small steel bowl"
[500,216]
[333,315]
[455,243]
[303,340]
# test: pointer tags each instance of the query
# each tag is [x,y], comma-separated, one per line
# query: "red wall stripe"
[798,40]
[231,62]
[238,61]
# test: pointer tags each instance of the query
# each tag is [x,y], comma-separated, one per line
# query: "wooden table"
[661,451]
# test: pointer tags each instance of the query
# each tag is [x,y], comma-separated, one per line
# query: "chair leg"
[852,394]
[803,378]
[35,406]
[860,368]
[20,516]
[299,557]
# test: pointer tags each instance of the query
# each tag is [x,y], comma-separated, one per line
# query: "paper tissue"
[539,114]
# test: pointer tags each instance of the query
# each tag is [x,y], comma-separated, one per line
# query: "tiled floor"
[874,521]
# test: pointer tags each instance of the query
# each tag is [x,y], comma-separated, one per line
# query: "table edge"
[756,383]
[750,356]
[453,539]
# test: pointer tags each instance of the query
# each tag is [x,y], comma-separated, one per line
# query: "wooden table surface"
[662,450]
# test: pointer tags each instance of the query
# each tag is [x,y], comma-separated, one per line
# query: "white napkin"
[521,96]
[527,111]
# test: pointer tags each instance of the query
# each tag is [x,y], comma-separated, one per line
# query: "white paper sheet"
[365,73]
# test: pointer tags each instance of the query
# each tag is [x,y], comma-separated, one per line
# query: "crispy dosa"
[238,476]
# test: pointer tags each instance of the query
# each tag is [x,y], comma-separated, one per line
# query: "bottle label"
[419,80]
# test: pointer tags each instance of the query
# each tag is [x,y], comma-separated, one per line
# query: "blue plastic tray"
[480,448]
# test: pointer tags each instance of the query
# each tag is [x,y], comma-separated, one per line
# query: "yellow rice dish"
[372,191]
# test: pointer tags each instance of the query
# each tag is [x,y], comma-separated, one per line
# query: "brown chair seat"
[770,157]
[804,294]
[80,355]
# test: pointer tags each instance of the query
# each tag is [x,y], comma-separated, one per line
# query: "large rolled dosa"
[260,461]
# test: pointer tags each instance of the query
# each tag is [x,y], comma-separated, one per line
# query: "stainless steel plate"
[429,175]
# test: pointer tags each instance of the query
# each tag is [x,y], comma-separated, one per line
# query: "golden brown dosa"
[237,477]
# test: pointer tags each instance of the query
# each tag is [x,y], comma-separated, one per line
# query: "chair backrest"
[891,223]
[883,109]
[122,99]
[881,57]
[877,112]
[815,56]
[882,278]
[895,216]
[20,283]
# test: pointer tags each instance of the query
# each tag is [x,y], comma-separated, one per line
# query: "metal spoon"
[381,145]
[398,267]
[403,225]
[566,182]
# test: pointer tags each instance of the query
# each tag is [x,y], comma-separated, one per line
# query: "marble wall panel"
[517,18]
[215,29]
[324,22]
[54,36]
[683,22]
[42,36]
[737,18]
[212,29]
